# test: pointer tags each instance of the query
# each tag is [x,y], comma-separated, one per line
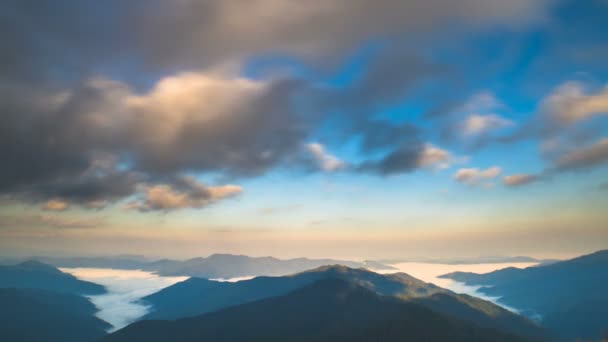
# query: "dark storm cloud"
[243,141]
[53,143]
[212,31]
[92,108]
[63,39]
[401,160]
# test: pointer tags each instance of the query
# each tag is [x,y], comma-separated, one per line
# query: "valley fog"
[430,273]
[121,306]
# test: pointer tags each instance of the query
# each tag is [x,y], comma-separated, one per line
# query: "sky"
[352,129]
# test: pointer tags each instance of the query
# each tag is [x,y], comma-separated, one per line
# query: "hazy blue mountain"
[197,296]
[569,296]
[126,262]
[326,310]
[230,266]
[33,274]
[213,266]
[46,316]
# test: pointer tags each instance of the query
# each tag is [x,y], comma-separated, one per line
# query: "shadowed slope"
[569,296]
[197,296]
[41,315]
[33,274]
[213,266]
[327,310]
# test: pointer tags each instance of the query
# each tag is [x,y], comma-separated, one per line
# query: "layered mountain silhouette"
[569,297]
[197,296]
[35,315]
[213,266]
[36,275]
[326,310]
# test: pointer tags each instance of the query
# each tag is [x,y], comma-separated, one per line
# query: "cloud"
[56,205]
[482,101]
[571,103]
[51,221]
[324,160]
[84,129]
[435,157]
[571,126]
[92,144]
[312,29]
[408,158]
[519,179]
[187,192]
[476,124]
[585,157]
[140,36]
[402,160]
[576,159]
[475,176]
[573,114]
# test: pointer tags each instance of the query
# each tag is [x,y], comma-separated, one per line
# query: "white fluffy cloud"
[572,102]
[519,179]
[475,176]
[480,118]
[187,193]
[435,157]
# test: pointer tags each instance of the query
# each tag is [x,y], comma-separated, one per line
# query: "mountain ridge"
[37,275]
[560,294]
[197,296]
[327,310]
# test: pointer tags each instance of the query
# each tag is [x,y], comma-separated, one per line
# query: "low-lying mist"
[430,273]
[121,305]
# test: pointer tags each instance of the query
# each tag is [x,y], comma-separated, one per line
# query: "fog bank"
[121,306]
[430,273]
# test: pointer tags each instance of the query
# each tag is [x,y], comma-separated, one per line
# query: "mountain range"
[197,296]
[326,310]
[569,297]
[36,315]
[563,301]
[34,274]
[214,266]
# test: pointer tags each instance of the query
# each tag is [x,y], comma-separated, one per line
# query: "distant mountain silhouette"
[214,266]
[125,262]
[197,296]
[34,315]
[570,297]
[328,310]
[34,274]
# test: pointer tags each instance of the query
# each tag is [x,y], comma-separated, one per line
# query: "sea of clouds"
[430,273]
[121,305]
